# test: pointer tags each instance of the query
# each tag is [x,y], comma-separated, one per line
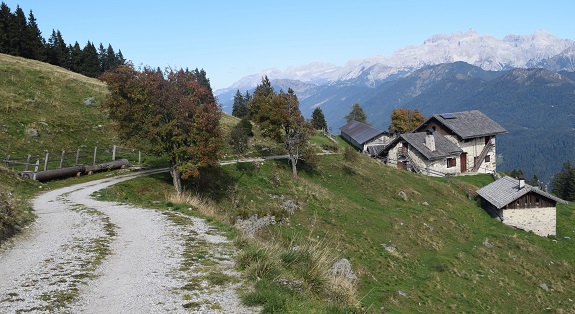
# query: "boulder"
[342,268]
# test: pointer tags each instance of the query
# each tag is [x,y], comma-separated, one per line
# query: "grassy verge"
[434,250]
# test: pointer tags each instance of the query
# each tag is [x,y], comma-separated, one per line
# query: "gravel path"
[88,256]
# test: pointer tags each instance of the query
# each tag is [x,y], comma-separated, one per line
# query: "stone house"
[472,134]
[521,205]
[365,138]
[428,153]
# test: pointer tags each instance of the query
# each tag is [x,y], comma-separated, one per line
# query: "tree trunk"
[293,161]
[177,179]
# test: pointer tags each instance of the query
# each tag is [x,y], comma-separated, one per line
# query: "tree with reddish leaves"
[279,118]
[169,114]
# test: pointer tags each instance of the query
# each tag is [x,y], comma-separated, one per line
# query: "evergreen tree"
[120,59]
[564,182]
[6,19]
[356,114]
[111,61]
[90,63]
[35,43]
[318,119]
[102,58]
[262,96]
[240,107]
[75,58]
[17,31]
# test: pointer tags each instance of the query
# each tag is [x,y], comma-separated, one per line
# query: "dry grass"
[201,204]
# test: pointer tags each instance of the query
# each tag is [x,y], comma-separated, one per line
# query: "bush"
[350,155]
[330,147]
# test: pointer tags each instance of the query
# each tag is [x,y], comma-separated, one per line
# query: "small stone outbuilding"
[521,205]
[365,138]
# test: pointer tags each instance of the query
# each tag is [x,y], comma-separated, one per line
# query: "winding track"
[57,266]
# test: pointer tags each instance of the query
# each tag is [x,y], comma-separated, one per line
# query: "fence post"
[46,160]
[7,160]
[62,158]
[114,153]
[139,157]
[77,156]
[95,153]
[27,163]
[37,165]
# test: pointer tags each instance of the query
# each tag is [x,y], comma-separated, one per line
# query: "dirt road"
[88,256]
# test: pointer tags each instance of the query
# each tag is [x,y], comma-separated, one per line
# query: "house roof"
[360,132]
[506,190]
[467,124]
[375,150]
[443,147]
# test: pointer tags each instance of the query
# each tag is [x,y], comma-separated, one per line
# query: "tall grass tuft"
[202,205]
[302,267]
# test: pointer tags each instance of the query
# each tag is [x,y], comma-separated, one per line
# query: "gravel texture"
[88,256]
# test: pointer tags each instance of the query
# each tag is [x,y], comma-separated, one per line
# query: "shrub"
[350,155]
[330,147]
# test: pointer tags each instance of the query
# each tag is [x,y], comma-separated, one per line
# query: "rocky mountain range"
[524,82]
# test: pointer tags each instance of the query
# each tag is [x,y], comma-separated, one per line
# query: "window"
[487,158]
[451,162]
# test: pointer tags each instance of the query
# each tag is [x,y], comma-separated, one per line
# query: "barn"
[521,205]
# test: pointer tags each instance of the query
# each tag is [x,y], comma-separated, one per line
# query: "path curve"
[88,256]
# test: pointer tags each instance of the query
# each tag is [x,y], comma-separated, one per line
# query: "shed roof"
[360,132]
[506,190]
[443,147]
[467,124]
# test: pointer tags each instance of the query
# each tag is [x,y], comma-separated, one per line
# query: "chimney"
[430,140]
[521,182]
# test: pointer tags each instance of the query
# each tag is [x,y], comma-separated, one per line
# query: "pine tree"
[564,182]
[120,59]
[240,107]
[102,58]
[318,119]
[111,61]
[17,31]
[6,18]
[75,58]
[35,43]
[356,114]
[90,62]
[262,96]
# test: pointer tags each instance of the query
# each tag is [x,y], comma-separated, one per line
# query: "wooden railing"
[48,161]
[482,156]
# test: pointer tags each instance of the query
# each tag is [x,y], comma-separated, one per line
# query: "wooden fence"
[65,159]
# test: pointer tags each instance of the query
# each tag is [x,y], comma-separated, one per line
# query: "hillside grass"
[435,252]
[50,99]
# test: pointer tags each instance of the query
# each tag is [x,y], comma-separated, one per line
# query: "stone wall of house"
[539,220]
[473,148]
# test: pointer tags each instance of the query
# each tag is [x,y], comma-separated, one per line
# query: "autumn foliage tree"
[405,120]
[279,118]
[169,114]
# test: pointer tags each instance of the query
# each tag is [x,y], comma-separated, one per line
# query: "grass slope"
[50,99]
[449,256]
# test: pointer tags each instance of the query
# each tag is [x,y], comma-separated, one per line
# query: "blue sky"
[232,39]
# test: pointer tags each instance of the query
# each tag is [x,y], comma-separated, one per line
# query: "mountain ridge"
[540,49]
